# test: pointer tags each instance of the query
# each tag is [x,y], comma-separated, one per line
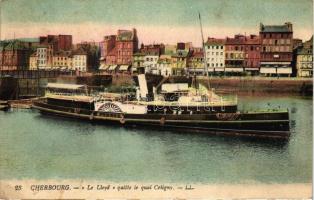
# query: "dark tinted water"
[39,147]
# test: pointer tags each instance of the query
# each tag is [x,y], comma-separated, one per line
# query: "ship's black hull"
[262,124]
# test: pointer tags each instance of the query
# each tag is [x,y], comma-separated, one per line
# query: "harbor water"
[35,146]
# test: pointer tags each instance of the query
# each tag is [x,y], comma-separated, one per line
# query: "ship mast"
[203,47]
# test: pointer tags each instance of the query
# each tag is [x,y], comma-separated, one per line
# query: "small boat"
[208,113]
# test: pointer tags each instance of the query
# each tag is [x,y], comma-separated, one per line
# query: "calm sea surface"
[34,146]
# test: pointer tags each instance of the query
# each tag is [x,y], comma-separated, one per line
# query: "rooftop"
[287,27]
[181,54]
[126,35]
[8,45]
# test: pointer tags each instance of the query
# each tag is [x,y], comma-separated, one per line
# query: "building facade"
[215,55]
[196,63]
[65,42]
[138,62]
[107,45]
[276,49]
[58,42]
[234,54]
[33,59]
[150,62]
[45,56]
[252,53]
[119,49]
[179,62]
[127,45]
[164,65]
[62,60]
[14,55]
[305,59]
[155,49]
[79,61]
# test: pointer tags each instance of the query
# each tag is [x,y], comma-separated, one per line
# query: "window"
[221,47]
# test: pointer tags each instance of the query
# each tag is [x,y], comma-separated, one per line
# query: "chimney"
[289,26]
[261,27]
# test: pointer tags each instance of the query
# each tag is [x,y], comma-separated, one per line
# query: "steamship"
[177,107]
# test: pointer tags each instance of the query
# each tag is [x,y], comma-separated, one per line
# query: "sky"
[167,21]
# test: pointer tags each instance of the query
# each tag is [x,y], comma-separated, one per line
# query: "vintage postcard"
[156,99]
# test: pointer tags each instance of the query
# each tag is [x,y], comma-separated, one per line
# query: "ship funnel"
[143,85]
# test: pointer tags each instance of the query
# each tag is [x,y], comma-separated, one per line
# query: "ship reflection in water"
[38,146]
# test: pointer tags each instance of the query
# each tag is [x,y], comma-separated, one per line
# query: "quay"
[24,83]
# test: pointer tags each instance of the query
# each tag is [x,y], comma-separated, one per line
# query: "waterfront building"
[164,65]
[234,54]
[138,62]
[33,59]
[179,62]
[252,54]
[156,49]
[92,51]
[111,57]
[276,49]
[106,46]
[215,55]
[127,45]
[196,63]
[14,55]
[42,57]
[45,56]
[119,49]
[79,61]
[150,62]
[305,59]
[62,60]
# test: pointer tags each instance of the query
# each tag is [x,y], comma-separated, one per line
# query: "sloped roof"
[215,41]
[62,53]
[125,35]
[198,54]
[12,45]
[287,27]
[181,54]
